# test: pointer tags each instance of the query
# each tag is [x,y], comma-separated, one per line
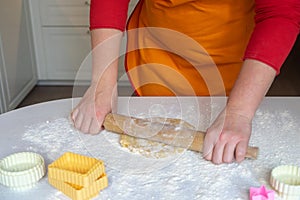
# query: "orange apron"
[187,47]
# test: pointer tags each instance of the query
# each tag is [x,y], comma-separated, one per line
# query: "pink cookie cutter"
[261,193]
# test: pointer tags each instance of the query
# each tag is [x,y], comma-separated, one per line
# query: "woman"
[247,47]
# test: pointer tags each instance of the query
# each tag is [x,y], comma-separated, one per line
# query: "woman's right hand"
[89,114]
[101,96]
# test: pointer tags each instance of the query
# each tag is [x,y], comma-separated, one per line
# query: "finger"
[70,118]
[240,151]
[74,114]
[95,127]
[218,152]
[85,125]
[229,152]
[100,118]
[210,140]
[78,121]
[208,148]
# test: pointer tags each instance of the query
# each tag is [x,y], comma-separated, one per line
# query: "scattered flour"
[185,176]
[54,137]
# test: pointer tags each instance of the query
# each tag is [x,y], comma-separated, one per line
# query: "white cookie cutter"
[21,170]
[285,180]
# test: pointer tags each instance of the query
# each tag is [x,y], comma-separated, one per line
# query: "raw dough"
[152,149]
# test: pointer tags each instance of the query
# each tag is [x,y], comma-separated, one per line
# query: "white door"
[65,50]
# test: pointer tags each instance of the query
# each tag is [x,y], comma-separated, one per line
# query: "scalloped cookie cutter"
[22,170]
[285,180]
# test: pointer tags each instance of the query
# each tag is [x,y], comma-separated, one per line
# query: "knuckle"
[231,137]
[211,136]
[224,136]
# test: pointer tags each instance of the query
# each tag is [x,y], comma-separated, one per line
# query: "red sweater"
[277,26]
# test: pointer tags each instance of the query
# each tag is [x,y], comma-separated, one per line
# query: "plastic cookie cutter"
[22,170]
[285,180]
[77,192]
[76,169]
[261,193]
[77,176]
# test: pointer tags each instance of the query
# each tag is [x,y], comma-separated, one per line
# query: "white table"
[44,128]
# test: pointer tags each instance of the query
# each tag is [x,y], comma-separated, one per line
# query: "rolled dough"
[153,149]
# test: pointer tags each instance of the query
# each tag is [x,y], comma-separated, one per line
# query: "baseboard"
[20,97]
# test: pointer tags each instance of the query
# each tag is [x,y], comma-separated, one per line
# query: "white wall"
[18,65]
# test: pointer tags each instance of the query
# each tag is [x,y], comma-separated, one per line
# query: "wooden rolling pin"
[167,131]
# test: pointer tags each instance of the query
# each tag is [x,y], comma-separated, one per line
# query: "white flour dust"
[52,138]
[189,176]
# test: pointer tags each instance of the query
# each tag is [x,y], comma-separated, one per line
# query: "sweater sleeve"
[108,14]
[276,30]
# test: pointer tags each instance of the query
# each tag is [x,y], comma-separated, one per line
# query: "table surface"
[44,128]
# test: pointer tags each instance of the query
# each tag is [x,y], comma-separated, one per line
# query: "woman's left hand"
[227,138]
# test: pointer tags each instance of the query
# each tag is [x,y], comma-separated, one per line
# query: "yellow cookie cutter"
[76,192]
[76,169]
